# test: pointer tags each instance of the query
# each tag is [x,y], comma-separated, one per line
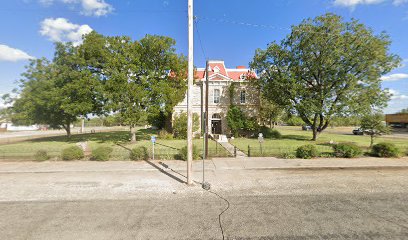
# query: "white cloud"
[12,54]
[397,95]
[354,3]
[89,7]
[399,2]
[61,30]
[394,77]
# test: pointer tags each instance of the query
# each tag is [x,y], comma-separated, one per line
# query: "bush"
[307,152]
[72,153]
[139,153]
[183,153]
[180,125]
[287,155]
[41,155]
[101,153]
[164,135]
[270,133]
[347,150]
[385,150]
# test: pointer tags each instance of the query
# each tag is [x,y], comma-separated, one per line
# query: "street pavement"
[128,200]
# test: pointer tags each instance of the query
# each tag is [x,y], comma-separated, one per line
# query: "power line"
[199,39]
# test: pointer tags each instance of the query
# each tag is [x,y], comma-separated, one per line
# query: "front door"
[216,127]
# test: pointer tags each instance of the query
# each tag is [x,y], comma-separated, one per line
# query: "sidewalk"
[264,163]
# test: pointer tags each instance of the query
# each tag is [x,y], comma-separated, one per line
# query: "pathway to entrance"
[230,148]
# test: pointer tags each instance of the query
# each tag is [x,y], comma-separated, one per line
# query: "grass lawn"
[118,140]
[293,137]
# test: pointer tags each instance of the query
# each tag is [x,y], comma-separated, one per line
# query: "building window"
[243,97]
[216,95]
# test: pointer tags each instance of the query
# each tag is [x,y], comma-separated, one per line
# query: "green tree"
[373,125]
[270,113]
[236,120]
[180,125]
[141,78]
[405,110]
[56,93]
[326,67]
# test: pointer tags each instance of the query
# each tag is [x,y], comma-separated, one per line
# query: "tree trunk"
[68,129]
[132,134]
[315,134]
[82,125]
[168,123]
[372,141]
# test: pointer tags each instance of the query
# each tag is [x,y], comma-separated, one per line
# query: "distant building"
[220,79]
[397,120]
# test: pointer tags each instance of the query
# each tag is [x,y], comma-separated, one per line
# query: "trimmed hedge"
[307,151]
[183,153]
[72,153]
[41,155]
[101,154]
[347,150]
[385,150]
[139,153]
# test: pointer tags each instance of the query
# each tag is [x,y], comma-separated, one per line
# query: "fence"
[258,150]
[161,152]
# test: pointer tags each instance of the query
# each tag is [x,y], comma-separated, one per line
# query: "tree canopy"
[326,67]
[57,92]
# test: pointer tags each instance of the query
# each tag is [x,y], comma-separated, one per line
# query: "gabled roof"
[218,71]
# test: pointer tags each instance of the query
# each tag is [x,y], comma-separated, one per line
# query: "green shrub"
[385,150]
[347,150]
[41,155]
[72,153]
[270,133]
[180,125]
[307,151]
[164,135]
[101,153]
[183,153]
[287,155]
[139,153]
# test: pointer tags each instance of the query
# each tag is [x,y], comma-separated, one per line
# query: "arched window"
[216,116]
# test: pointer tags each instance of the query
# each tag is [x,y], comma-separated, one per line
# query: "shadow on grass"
[296,137]
[100,137]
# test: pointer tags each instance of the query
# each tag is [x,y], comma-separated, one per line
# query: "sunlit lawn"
[118,140]
[293,137]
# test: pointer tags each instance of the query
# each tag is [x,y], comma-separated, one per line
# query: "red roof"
[218,67]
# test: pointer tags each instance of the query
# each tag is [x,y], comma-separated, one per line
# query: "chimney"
[241,67]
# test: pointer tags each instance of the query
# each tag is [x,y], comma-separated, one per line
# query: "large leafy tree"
[326,67]
[142,79]
[56,93]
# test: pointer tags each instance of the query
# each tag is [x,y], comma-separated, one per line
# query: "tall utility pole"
[206,110]
[190,93]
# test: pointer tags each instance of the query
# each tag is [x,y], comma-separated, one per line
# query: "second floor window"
[243,97]
[216,96]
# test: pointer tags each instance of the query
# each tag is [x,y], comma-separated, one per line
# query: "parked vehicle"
[358,131]
[306,128]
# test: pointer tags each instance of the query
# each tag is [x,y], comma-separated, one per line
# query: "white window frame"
[242,97]
[216,98]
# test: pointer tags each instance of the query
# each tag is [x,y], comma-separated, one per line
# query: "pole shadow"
[160,169]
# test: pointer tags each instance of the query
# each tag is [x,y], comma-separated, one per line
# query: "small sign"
[260,137]
[153,138]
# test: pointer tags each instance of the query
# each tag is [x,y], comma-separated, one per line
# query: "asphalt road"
[339,204]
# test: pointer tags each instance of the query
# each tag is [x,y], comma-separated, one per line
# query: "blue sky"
[230,30]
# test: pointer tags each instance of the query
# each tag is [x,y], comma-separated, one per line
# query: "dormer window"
[242,77]
[216,69]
